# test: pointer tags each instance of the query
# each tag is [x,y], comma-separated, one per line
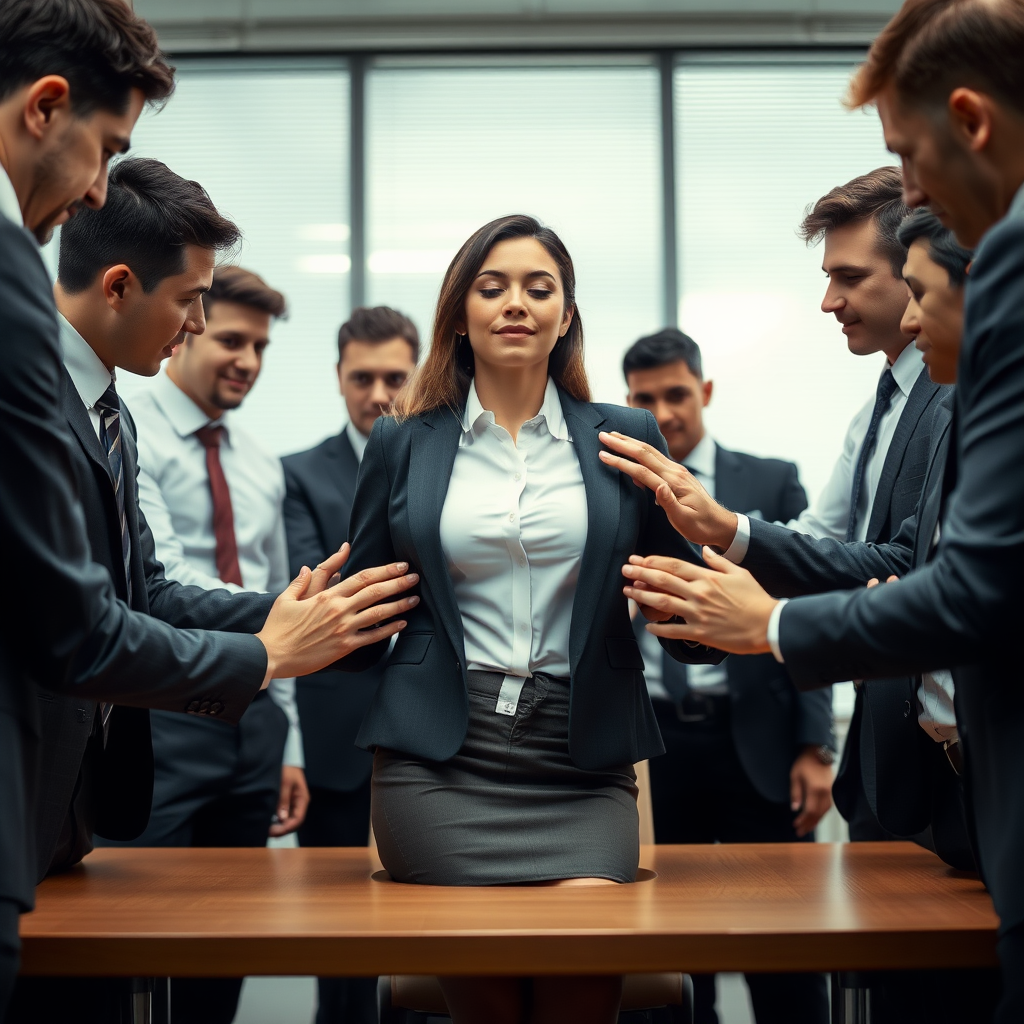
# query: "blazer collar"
[918,400]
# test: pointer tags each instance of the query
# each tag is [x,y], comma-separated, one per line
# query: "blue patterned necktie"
[886,386]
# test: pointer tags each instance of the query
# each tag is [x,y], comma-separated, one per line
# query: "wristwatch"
[825,754]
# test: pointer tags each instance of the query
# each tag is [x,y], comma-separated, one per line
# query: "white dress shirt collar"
[702,459]
[182,413]
[907,368]
[357,439]
[91,378]
[476,418]
[9,205]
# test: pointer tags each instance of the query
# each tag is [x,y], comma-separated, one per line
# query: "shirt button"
[518,476]
[522,628]
[511,517]
[522,561]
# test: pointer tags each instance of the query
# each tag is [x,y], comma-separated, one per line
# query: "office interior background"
[673,144]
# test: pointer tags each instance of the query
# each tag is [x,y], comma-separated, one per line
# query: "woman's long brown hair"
[445,376]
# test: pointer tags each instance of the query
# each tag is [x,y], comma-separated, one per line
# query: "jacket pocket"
[624,652]
[410,649]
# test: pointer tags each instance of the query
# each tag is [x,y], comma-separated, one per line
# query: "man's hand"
[291,807]
[810,790]
[873,582]
[690,509]
[306,633]
[722,606]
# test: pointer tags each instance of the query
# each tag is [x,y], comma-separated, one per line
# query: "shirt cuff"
[773,630]
[737,550]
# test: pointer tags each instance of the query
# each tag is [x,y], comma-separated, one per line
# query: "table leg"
[851,1003]
[138,1006]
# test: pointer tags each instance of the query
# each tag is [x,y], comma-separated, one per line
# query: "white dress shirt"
[87,371]
[709,679]
[174,492]
[9,205]
[829,514]
[513,529]
[357,439]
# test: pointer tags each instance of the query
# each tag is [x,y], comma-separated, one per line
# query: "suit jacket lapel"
[931,498]
[434,444]
[602,486]
[78,419]
[730,489]
[347,466]
[917,401]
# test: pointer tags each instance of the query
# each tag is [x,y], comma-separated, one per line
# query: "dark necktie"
[109,408]
[228,568]
[886,386]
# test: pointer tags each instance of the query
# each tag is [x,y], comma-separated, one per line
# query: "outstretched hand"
[690,509]
[722,606]
[311,625]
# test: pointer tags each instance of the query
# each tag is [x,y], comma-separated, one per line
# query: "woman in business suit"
[513,706]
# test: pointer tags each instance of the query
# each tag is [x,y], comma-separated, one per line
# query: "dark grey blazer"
[788,563]
[421,707]
[65,628]
[963,609]
[771,720]
[107,788]
[320,485]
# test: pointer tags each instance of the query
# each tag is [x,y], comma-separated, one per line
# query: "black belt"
[697,707]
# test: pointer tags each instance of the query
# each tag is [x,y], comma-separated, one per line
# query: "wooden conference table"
[759,907]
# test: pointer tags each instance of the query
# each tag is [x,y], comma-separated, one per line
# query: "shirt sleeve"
[829,513]
[282,693]
[737,550]
[773,630]
[169,550]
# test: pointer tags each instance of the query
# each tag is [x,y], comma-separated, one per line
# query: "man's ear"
[118,282]
[46,96]
[970,115]
[707,387]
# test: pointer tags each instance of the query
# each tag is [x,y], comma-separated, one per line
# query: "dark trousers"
[341,819]
[215,785]
[8,951]
[1011,958]
[701,794]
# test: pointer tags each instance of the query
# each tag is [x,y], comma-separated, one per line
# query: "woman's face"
[515,309]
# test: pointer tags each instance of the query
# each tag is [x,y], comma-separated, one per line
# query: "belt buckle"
[954,754]
[704,703]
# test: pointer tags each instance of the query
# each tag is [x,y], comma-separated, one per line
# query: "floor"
[293,1001]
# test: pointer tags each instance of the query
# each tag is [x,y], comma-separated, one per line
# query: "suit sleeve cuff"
[737,550]
[773,630]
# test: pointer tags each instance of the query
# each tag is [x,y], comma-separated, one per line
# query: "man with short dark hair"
[212,496]
[748,759]
[377,353]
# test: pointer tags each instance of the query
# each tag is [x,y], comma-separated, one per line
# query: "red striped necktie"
[228,568]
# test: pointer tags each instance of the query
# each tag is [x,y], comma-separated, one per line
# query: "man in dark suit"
[747,757]
[918,790]
[951,101]
[96,759]
[377,351]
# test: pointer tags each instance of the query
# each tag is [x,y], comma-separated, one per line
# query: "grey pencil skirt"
[510,807]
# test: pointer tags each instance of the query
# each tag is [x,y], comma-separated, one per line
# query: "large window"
[575,144]
[270,144]
[756,143]
[446,144]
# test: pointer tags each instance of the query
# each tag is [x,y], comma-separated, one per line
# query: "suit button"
[906,709]
[193,707]
[216,708]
